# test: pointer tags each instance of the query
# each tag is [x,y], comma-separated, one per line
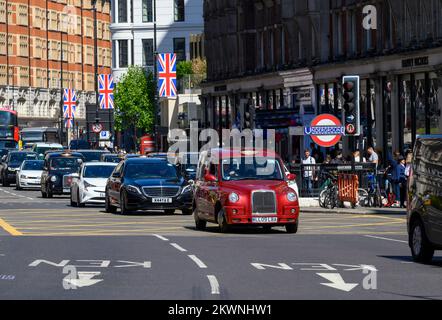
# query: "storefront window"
[435,107]
[420,103]
[406,111]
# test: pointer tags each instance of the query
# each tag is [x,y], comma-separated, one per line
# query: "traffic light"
[351,111]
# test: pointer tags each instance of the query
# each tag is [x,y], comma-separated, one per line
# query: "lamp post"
[155,66]
[61,87]
[96,68]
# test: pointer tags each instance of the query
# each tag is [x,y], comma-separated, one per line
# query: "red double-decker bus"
[9,131]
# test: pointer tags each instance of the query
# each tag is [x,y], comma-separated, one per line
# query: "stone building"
[284,60]
[42,42]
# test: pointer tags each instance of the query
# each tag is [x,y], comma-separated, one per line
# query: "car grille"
[263,202]
[157,192]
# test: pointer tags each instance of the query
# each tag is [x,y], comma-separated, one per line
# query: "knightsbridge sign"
[415,62]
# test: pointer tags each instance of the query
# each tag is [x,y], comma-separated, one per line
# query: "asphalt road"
[49,250]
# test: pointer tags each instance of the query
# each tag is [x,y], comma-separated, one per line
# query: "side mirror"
[291,177]
[210,178]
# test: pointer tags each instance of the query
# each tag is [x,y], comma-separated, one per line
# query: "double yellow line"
[10,229]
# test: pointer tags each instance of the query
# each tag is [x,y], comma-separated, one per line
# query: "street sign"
[97,127]
[104,135]
[326,130]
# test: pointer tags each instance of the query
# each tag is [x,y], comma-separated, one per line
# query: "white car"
[29,175]
[41,148]
[88,187]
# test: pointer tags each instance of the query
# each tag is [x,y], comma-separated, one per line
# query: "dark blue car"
[148,184]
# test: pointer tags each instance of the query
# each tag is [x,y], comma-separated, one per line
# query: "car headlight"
[233,197]
[291,196]
[54,178]
[88,185]
[12,169]
[133,189]
[186,189]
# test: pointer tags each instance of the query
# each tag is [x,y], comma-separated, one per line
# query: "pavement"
[49,250]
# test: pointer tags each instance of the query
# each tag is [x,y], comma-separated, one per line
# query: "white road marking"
[176,246]
[214,285]
[85,279]
[197,261]
[337,282]
[387,239]
[161,237]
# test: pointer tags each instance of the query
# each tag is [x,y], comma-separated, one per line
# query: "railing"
[318,174]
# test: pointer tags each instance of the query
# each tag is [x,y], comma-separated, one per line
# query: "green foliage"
[184,68]
[134,101]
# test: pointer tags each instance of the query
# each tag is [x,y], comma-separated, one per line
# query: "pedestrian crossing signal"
[351,107]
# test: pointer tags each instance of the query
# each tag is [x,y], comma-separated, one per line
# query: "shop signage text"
[415,62]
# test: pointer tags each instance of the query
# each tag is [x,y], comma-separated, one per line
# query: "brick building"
[42,42]
[284,60]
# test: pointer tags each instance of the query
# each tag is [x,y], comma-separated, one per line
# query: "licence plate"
[67,190]
[102,195]
[265,220]
[161,200]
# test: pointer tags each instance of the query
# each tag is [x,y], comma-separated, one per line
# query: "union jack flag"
[69,106]
[167,75]
[106,91]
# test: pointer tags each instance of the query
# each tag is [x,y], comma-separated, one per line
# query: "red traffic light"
[348,86]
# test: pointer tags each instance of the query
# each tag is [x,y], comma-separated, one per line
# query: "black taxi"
[58,170]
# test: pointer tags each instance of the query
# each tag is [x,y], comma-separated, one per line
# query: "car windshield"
[112,158]
[98,171]
[65,163]
[22,156]
[33,165]
[92,156]
[259,168]
[42,150]
[7,144]
[159,170]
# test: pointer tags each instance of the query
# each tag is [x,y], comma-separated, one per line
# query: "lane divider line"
[387,239]
[10,229]
[214,285]
[198,262]
[161,237]
[176,246]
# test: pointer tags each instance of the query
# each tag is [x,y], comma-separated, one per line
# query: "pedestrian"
[357,157]
[396,172]
[402,181]
[373,156]
[338,158]
[408,162]
[308,173]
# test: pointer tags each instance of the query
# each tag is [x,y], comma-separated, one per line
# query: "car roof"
[30,152]
[430,136]
[91,150]
[145,160]
[97,164]
[49,144]
[64,154]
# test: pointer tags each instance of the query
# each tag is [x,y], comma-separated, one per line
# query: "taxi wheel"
[291,228]
[108,207]
[267,228]
[17,186]
[222,222]
[5,182]
[49,193]
[169,212]
[199,224]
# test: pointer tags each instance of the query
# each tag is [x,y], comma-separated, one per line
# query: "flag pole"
[155,75]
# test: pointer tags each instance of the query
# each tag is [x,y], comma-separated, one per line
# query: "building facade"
[284,60]
[133,31]
[46,46]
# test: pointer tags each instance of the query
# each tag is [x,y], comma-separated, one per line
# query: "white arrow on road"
[337,282]
[84,279]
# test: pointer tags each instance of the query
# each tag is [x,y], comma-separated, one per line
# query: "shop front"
[401,97]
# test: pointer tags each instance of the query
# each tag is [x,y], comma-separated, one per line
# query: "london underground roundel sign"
[326,130]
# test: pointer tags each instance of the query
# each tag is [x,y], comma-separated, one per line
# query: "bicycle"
[328,198]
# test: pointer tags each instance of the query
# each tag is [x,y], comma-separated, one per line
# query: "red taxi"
[244,187]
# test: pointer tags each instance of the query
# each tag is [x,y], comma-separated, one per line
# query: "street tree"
[134,102]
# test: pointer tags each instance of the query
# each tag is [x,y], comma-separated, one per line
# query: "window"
[23,46]
[179,47]
[123,54]
[179,10]
[3,11]
[2,43]
[23,14]
[148,52]
[147,11]
[122,11]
